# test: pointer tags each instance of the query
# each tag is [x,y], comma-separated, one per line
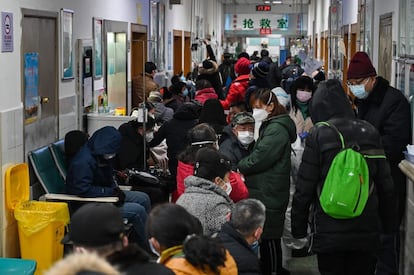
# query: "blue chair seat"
[13,266]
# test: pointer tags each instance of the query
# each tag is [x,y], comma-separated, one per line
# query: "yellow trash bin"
[41,225]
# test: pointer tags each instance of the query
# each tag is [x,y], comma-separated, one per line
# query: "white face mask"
[227,188]
[245,137]
[153,248]
[259,114]
[149,136]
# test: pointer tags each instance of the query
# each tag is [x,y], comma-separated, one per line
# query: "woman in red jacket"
[202,136]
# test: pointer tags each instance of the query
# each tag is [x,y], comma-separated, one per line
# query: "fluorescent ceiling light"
[277,2]
[267,2]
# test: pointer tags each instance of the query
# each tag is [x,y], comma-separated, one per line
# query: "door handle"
[44,99]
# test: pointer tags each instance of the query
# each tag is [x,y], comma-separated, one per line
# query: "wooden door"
[178,51]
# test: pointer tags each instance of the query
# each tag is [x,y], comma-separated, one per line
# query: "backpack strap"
[341,137]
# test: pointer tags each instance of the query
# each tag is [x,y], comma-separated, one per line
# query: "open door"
[178,51]
[139,38]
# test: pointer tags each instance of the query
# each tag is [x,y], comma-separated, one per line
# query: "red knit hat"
[242,66]
[360,66]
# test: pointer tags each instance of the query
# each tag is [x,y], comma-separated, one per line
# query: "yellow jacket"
[174,259]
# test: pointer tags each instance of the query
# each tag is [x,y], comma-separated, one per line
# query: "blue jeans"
[135,209]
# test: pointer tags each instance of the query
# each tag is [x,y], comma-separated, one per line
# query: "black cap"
[94,225]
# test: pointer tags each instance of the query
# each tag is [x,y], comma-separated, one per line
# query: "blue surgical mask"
[185,92]
[358,91]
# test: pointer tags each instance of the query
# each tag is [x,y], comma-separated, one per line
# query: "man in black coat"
[389,111]
[241,232]
[99,228]
[343,246]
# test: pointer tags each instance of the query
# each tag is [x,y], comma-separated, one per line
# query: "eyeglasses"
[356,82]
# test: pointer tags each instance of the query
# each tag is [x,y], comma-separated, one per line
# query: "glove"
[121,196]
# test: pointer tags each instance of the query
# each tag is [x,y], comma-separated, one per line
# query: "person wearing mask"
[237,89]
[206,194]
[258,80]
[226,70]
[343,246]
[267,174]
[99,228]
[389,111]
[179,94]
[175,131]
[203,136]
[91,172]
[240,233]
[237,140]
[162,113]
[177,238]
[139,81]
[301,94]
[204,91]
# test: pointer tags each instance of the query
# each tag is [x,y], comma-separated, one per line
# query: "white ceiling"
[258,2]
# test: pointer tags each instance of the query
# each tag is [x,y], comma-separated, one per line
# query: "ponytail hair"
[171,225]
[205,253]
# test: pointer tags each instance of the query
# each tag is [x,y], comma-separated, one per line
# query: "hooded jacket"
[205,94]
[267,171]
[175,133]
[331,104]
[89,174]
[206,201]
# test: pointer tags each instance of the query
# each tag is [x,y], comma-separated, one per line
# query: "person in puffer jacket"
[91,172]
[204,91]
[343,246]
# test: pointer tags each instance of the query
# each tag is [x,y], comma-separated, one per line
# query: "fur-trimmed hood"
[82,262]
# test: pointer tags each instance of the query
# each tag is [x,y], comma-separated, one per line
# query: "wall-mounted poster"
[66,17]
[31,87]
[97,47]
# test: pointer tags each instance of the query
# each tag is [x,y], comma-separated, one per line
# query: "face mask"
[358,91]
[185,92]
[108,156]
[227,188]
[153,249]
[259,114]
[149,136]
[182,78]
[303,96]
[245,137]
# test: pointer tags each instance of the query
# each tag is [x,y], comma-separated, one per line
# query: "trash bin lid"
[9,266]
[17,184]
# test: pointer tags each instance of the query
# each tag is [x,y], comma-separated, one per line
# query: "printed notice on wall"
[6,32]
[31,87]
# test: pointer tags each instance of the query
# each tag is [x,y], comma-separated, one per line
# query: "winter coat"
[267,171]
[237,91]
[246,259]
[138,88]
[175,133]
[239,189]
[87,262]
[89,175]
[177,262]
[389,111]
[330,103]
[134,260]
[204,94]
[131,154]
[302,125]
[206,201]
[174,102]
[162,113]
[232,148]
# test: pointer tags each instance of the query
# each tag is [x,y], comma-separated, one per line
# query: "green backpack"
[346,187]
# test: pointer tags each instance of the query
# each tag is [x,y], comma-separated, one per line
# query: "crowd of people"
[231,140]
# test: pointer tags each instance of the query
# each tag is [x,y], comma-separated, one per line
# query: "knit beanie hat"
[360,66]
[260,69]
[242,66]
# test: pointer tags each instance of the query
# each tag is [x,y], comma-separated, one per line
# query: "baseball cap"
[242,118]
[95,224]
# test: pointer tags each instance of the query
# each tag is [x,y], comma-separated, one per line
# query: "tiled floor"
[303,266]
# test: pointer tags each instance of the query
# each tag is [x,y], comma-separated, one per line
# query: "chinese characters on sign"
[7,32]
[264,24]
